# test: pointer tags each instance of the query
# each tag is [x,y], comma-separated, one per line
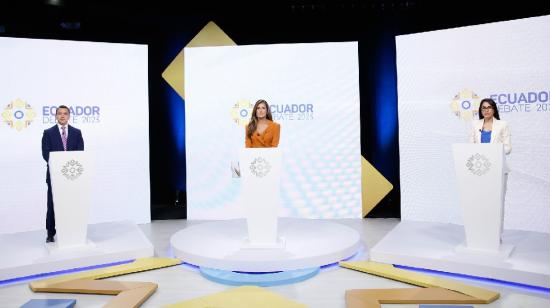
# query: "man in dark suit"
[60,137]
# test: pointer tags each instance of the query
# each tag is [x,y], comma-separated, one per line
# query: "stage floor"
[430,245]
[26,253]
[325,290]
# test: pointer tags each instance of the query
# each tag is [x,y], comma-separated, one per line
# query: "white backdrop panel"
[508,61]
[313,90]
[106,86]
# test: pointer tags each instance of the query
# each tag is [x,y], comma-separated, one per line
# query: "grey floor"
[327,289]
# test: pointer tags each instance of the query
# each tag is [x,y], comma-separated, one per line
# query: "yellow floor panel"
[241,297]
[372,298]
[477,294]
[139,265]
[127,293]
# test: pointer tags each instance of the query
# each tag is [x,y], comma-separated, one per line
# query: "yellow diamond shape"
[374,186]
[210,35]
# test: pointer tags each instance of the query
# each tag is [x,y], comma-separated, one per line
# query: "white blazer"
[500,134]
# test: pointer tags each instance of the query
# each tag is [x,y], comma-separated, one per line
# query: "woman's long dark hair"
[253,124]
[491,102]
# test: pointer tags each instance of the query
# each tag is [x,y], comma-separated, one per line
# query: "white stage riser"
[308,243]
[531,279]
[25,254]
[432,246]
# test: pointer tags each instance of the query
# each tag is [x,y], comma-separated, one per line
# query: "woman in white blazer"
[491,129]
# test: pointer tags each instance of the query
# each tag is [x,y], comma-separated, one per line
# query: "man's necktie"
[64,138]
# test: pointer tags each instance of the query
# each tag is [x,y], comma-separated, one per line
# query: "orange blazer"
[268,139]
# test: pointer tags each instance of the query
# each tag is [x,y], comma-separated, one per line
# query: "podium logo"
[465,105]
[260,167]
[18,114]
[72,170]
[478,164]
[240,112]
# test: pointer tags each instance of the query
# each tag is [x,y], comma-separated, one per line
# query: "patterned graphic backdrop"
[313,93]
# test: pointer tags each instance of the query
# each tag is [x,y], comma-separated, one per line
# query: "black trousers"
[50,214]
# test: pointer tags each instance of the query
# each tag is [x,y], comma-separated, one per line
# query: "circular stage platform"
[307,244]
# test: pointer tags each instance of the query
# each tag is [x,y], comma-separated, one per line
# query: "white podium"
[70,174]
[480,178]
[260,195]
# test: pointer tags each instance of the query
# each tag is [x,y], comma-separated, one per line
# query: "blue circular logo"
[466,105]
[18,114]
[244,113]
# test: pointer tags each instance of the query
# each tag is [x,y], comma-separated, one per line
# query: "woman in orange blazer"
[261,131]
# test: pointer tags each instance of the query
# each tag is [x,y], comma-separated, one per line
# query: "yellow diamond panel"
[210,35]
[374,186]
